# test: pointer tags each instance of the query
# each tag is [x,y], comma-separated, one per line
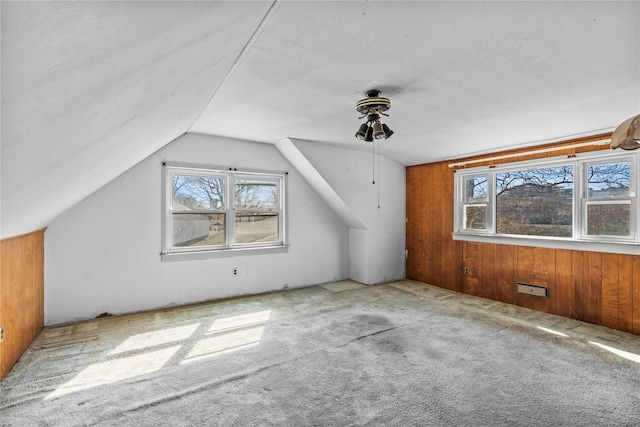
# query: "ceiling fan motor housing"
[373,103]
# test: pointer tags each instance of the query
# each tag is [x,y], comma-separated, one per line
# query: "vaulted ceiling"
[89,89]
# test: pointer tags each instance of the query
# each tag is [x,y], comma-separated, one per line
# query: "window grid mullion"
[579,195]
[231,208]
[491,203]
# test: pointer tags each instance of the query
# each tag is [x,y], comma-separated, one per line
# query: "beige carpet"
[332,355]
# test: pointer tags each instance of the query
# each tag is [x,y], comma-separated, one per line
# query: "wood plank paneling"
[425,223]
[524,274]
[450,259]
[544,272]
[636,294]
[434,202]
[506,275]
[561,288]
[488,278]
[625,293]
[473,262]
[577,280]
[411,227]
[21,295]
[610,290]
[594,287]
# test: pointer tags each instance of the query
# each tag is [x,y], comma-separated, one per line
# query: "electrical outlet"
[466,271]
[1,333]
[235,271]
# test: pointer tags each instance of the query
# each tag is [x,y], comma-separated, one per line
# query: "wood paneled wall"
[21,295]
[600,288]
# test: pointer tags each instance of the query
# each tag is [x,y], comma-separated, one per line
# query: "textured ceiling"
[91,88]
[465,76]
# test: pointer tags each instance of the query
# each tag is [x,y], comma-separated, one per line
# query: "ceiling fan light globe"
[387,131]
[362,131]
[369,135]
[378,133]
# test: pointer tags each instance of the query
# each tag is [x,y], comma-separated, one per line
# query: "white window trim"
[169,253]
[580,240]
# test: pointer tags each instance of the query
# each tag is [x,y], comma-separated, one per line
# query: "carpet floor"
[340,354]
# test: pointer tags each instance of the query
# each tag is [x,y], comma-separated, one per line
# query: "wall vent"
[529,289]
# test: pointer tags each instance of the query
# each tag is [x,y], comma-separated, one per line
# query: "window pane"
[535,202]
[610,180]
[476,190]
[198,229]
[475,217]
[608,219]
[256,195]
[198,193]
[257,228]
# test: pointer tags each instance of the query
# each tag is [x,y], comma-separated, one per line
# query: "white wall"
[377,254]
[104,253]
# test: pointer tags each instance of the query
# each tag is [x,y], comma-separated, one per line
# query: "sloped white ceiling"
[91,88]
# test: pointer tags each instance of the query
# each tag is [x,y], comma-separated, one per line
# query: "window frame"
[461,213]
[580,200]
[230,177]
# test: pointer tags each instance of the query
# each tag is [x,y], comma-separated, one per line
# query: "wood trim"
[600,288]
[21,295]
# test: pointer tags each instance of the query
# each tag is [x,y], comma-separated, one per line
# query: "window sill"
[630,248]
[222,253]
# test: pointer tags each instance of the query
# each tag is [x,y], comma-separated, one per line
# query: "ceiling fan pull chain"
[378,143]
[373,163]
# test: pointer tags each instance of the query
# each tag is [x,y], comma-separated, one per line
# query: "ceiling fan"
[372,108]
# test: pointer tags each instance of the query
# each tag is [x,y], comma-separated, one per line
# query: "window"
[535,202]
[210,210]
[591,198]
[476,197]
[608,200]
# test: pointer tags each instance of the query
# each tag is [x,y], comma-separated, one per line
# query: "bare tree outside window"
[199,192]
[535,202]
[609,180]
[256,195]
[608,207]
[257,204]
[194,220]
[476,198]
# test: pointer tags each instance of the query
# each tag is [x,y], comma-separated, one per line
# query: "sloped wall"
[375,193]
[103,255]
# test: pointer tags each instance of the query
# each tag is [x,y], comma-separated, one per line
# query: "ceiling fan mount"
[374,103]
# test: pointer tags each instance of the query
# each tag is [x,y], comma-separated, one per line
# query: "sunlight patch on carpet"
[150,339]
[225,334]
[624,354]
[241,321]
[224,343]
[115,370]
[551,331]
[230,334]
